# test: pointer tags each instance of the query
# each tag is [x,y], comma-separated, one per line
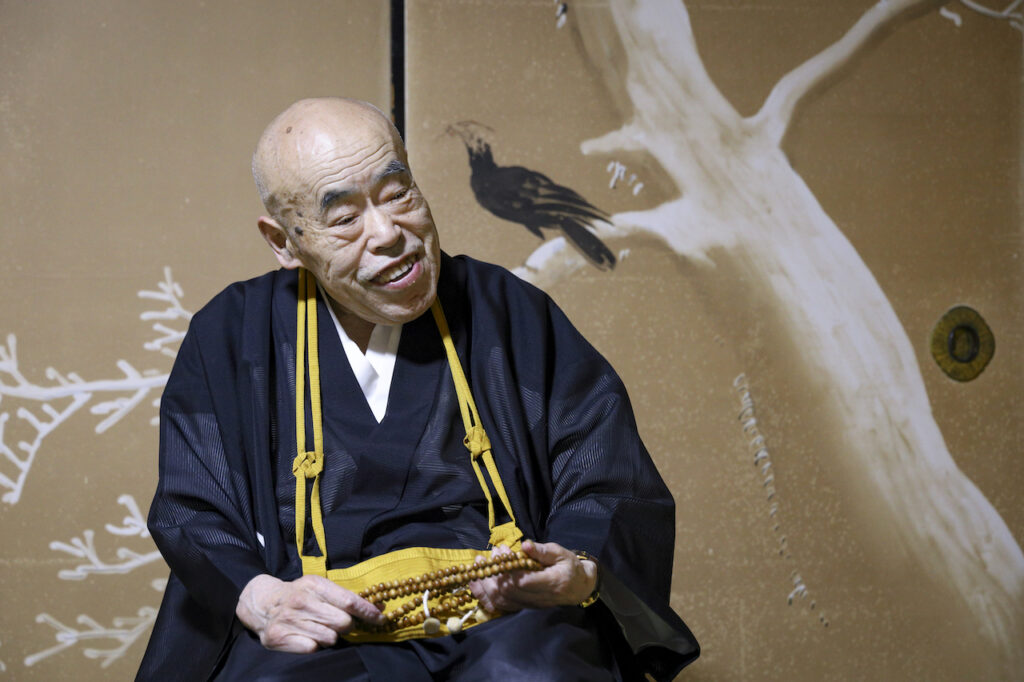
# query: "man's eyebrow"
[333,196]
[394,167]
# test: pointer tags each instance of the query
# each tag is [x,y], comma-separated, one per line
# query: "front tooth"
[396,272]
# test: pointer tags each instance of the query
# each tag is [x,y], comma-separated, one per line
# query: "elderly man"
[237,522]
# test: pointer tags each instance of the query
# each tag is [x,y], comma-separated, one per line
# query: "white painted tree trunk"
[741,199]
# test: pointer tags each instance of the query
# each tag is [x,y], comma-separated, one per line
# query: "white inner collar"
[373,370]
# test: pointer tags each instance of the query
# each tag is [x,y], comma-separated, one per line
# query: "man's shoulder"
[239,316]
[480,277]
[233,300]
[503,305]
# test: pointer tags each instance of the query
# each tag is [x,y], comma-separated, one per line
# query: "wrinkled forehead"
[307,138]
[311,141]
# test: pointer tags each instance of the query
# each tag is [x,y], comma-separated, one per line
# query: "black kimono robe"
[565,443]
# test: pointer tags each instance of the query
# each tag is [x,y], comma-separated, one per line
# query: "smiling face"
[334,174]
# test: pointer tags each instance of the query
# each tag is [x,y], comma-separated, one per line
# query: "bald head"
[300,136]
[335,178]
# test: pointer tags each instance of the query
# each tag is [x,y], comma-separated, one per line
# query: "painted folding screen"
[127,129]
[794,195]
[805,192]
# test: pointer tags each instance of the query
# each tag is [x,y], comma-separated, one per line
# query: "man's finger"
[347,601]
[324,635]
[297,636]
[292,644]
[547,553]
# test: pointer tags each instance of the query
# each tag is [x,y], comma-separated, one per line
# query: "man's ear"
[279,242]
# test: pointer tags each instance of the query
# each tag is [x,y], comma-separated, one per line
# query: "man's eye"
[347,220]
[400,194]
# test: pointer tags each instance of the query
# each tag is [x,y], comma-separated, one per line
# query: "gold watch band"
[596,594]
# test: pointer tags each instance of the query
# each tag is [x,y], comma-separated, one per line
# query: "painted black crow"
[529,198]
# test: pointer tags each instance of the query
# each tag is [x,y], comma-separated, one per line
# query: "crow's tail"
[588,243]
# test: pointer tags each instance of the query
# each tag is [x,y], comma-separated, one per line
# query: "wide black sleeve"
[607,498]
[201,516]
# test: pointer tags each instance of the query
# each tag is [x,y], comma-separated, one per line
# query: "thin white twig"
[124,630]
[128,560]
[62,395]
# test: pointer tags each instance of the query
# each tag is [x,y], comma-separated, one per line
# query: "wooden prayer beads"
[446,585]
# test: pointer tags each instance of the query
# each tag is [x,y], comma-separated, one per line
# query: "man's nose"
[383,231]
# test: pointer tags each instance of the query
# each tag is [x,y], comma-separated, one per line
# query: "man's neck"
[357,328]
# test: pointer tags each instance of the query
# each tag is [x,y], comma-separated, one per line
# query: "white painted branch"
[124,631]
[36,392]
[741,199]
[134,523]
[31,449]
[168,338]
[129,391]
[627,138]
[555,259]
[662,32]
[84,547]
[1009,12]
[775,115]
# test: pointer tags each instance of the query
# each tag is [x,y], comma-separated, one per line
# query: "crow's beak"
[449,130]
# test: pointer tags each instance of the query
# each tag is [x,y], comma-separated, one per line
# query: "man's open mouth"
[398,271]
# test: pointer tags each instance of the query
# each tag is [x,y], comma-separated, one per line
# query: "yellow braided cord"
[487,493]
[318,519]
[314,364]
[314,401]
[476,440]
[300,417]
[456,367]
[308,464]
[300,366]
[492,469]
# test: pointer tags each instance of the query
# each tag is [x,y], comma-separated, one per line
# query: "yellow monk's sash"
[404,564]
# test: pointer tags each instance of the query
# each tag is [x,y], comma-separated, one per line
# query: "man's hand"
[565,579]
[302,615]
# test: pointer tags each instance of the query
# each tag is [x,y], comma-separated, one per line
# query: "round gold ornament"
[962,343]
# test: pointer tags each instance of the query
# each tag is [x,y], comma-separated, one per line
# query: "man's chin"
[390,314]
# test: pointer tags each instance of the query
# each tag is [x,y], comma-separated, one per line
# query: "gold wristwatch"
[596,594]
